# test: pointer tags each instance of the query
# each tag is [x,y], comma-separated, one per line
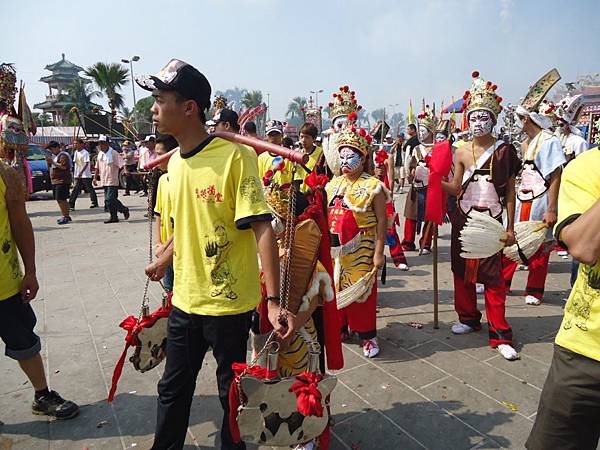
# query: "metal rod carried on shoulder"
[258,145]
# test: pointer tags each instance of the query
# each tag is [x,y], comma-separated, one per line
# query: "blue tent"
[455,107]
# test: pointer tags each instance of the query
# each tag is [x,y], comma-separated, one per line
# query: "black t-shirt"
[410,145]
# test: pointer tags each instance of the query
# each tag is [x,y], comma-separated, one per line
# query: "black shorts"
[568,416]
[17,321]
[60,191]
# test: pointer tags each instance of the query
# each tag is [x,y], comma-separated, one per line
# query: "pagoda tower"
[64,72]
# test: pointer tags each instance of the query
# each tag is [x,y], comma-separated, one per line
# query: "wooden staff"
[258,145]
[436,291]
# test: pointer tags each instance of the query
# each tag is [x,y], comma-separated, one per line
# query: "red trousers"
[465,304]
[361,317]
[410,233]
[538,269]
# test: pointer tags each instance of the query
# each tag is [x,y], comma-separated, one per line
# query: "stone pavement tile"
[22,429]
[371,431]
[411,412]
[527,369]
[505,428]
[399,334]
[346,404]
[487,378]
[540,351]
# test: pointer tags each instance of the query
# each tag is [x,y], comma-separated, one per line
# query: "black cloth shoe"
[72,206]
[111,221]
[126,214]
[94,205]
[54,405]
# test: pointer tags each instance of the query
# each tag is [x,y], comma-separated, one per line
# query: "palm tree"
[234,96]
[80,95]
[110,78]
[252,99]
[295,113]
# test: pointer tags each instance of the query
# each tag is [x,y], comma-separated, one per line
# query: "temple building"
[64,72]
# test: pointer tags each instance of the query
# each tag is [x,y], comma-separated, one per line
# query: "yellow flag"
[411,113]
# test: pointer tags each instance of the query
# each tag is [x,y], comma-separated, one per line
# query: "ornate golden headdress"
[482,96]
[220,102]
[344,102]
[427,118]
[352,136]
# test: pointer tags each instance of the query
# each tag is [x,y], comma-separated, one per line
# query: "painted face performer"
[483,180]
[414,209]
[537,192]
[357,222]
[570,137]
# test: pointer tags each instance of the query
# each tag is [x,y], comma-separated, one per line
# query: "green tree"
[42,119]
[377,114]
[294,114]
[234,96]
[110,78]
[252,99]
[142,109]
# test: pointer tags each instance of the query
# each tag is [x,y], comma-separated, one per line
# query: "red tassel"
[471,269]
[308,396]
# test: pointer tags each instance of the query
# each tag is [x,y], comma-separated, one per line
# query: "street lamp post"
[130,62]
[268,106]
[317,96]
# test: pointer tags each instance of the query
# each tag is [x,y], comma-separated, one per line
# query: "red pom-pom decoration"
[302,109]
[359,106]
[501,108]
[352,93]
[465,97]
[330,104]
[499,99]
[269,173]
[354,129]
[346,88]
[545,101]
[335,95]
[362,132]
[369,139]
[475,74]
[488,84]
[352,116]
[494,87]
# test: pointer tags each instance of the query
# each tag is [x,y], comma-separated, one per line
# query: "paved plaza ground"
[427,389]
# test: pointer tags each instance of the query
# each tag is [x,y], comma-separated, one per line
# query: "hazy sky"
[387,51]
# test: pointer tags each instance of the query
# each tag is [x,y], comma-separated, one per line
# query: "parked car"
[40,175]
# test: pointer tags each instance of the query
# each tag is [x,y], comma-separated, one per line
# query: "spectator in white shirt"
[82,174]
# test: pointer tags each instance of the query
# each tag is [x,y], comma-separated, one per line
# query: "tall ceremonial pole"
[258,145]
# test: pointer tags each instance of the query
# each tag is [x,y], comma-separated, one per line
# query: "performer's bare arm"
[510,212]
[22,232]
[284,322]
[582,237]
[381,214]
[158,244]
[455,186]
[550,217]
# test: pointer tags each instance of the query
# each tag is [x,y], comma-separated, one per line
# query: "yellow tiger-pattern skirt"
[294,359]
[355,265]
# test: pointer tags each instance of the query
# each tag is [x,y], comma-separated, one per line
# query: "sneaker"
[462,328]
[144,194]
[63,220]
[479,288]
[425,251]
[94,205]
[54,405]
[509,353]
[370,348]
[403,267]
[111,221]
[562,253]
[126,214]
[531,300]
[523,267]
[72,206]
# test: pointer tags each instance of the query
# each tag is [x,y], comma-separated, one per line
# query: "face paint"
[350,160]
[480,123]
[518,126]
[439,137]
[423,133]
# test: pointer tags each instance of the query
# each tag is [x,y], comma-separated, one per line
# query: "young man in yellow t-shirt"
[316,159]
[274,131]
[220,221]
[568,415]
[162,209]
[17,319]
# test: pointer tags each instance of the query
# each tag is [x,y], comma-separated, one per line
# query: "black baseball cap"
[226,115]
[182,78]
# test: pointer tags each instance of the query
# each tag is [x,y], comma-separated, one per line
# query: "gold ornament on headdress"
[344,102]
[220,102]
[539,90]
[427,118]
[8,85]
[482,96]
[352,136]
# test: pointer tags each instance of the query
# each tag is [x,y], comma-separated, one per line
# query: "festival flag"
[411,113]
[439,166]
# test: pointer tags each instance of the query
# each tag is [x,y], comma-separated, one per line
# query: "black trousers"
[87,184]
[131,181]
[568,416]
[112,202]
[188,338]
